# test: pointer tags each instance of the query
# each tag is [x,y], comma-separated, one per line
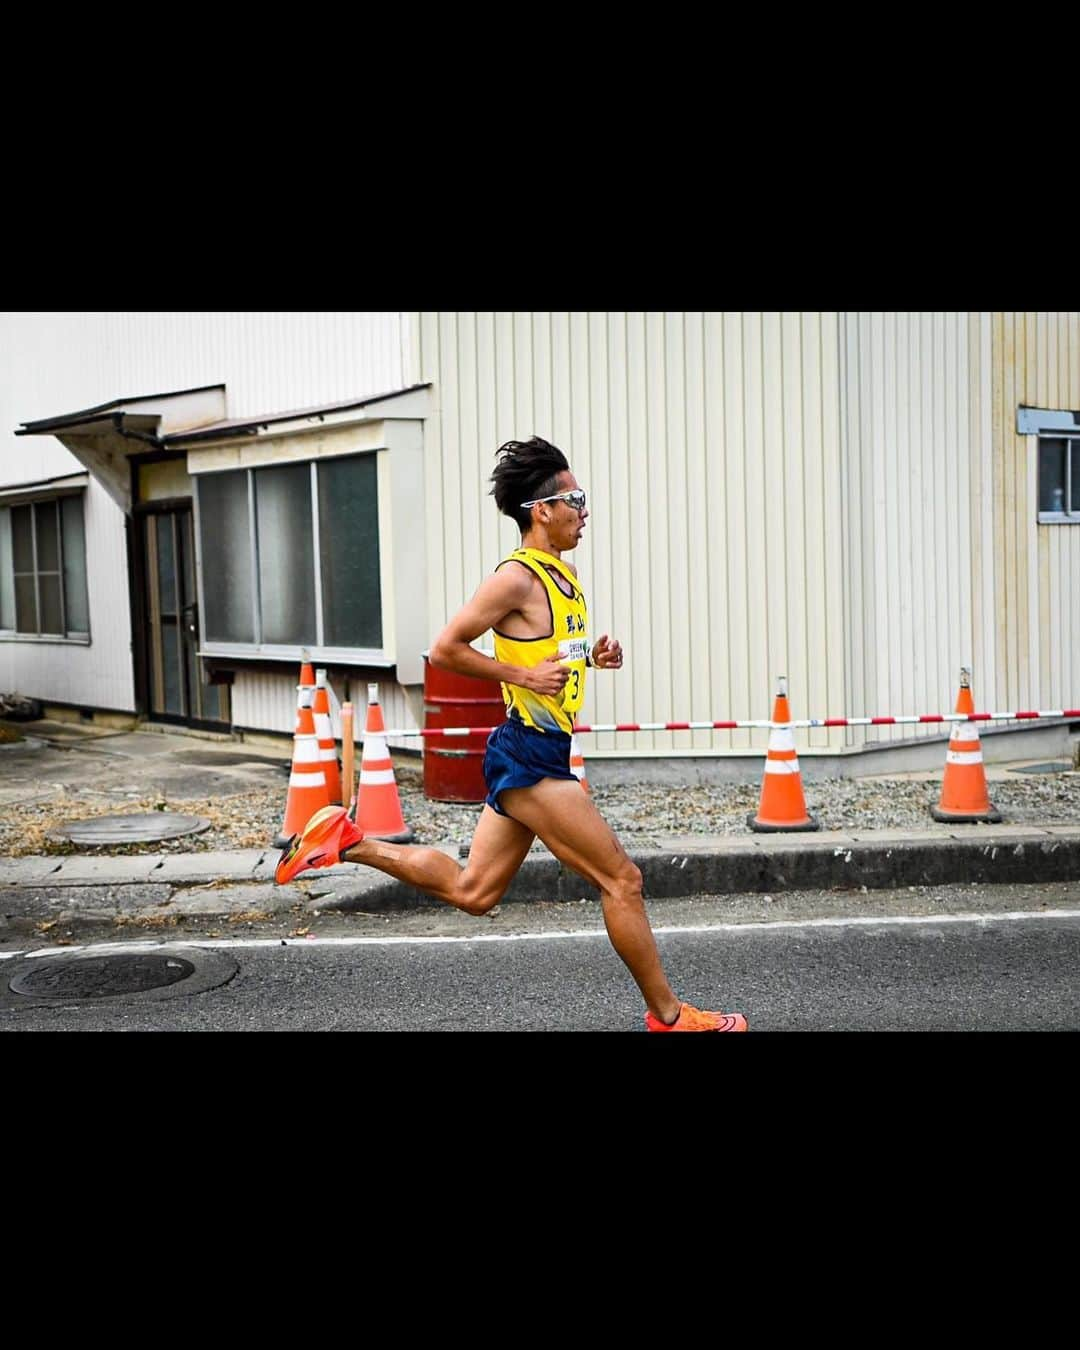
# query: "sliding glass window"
[290,555]
[43,569]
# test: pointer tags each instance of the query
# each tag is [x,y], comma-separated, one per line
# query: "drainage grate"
[1054,766]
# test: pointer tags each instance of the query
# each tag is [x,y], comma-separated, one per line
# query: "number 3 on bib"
[572,691]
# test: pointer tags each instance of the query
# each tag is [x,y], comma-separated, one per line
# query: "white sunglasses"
[575,498]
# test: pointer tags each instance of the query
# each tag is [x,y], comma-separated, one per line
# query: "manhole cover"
[135,829]
[139,975]
[1053,766]
[102,976]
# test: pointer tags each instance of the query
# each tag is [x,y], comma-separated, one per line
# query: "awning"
[373,408]
[12,495]
[105,437]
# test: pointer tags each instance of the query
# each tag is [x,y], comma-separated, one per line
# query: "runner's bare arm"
[501,594]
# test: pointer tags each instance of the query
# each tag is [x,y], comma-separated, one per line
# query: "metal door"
[176,675]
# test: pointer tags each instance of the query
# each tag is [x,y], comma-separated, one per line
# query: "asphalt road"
[939,959]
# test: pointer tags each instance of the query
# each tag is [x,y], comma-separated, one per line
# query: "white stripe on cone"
[781,766]
[964,757]
[375,777]
[306,749]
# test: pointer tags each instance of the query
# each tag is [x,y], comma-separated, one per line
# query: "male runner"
[536,609]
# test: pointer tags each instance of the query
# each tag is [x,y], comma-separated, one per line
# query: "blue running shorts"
[519,756]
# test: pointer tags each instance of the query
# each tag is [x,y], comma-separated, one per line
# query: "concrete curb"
[1020,855]
[221,885]
[171,869]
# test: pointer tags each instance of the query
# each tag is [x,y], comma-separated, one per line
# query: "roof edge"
[114,405]
[238,426]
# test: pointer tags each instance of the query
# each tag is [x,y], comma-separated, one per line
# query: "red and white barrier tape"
[761,723]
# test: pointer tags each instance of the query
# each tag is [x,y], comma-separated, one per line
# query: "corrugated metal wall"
[839,498]
[709,443]
[1028,606]
[264,701]
[948,564]
[908,433]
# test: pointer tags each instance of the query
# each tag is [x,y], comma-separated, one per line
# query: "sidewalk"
[42,893]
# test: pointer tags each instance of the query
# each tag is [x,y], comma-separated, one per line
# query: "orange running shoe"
[321,843]
[693,1019]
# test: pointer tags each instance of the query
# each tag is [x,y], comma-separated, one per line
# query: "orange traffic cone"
[324,731]
[307,683]
[307,675]
[378,807]
[782,805]
[964,795]
[307,782]
[577,763]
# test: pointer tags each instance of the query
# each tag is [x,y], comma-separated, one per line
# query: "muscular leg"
[564,817]
[497,851]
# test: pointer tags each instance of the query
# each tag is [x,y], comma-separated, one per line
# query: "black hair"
[525,470]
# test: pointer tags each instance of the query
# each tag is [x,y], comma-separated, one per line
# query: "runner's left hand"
[607,654]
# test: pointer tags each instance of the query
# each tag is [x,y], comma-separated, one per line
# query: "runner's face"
[566,524]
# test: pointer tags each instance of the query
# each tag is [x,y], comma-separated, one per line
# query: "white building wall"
[98,675]
[269,361]
[839,498]
[58,362]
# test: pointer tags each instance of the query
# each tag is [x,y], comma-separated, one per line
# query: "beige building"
[862,503]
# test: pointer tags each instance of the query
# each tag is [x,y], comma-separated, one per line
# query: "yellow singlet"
[569,638]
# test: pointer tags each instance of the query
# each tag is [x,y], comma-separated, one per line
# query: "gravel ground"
[641,815]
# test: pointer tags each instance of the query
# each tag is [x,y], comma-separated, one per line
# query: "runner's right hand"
[546,678]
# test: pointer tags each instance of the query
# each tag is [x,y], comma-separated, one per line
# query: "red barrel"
[454,765]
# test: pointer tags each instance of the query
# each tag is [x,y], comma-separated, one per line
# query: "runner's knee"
[627,883]
[478,898]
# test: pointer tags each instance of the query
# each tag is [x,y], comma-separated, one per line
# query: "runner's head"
[525,471]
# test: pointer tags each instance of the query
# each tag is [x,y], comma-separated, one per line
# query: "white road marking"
[862,921]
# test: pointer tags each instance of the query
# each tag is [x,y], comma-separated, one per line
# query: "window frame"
[1051,424]
[318,651]
[11,501]
[1072,489]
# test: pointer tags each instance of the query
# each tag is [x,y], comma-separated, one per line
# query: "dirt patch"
[246,820]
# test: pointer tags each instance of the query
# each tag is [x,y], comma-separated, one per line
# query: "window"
[43,569]
[1059,479]
[290,556]
[1056,435]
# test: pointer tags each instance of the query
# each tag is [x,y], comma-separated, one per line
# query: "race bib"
[574,649]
